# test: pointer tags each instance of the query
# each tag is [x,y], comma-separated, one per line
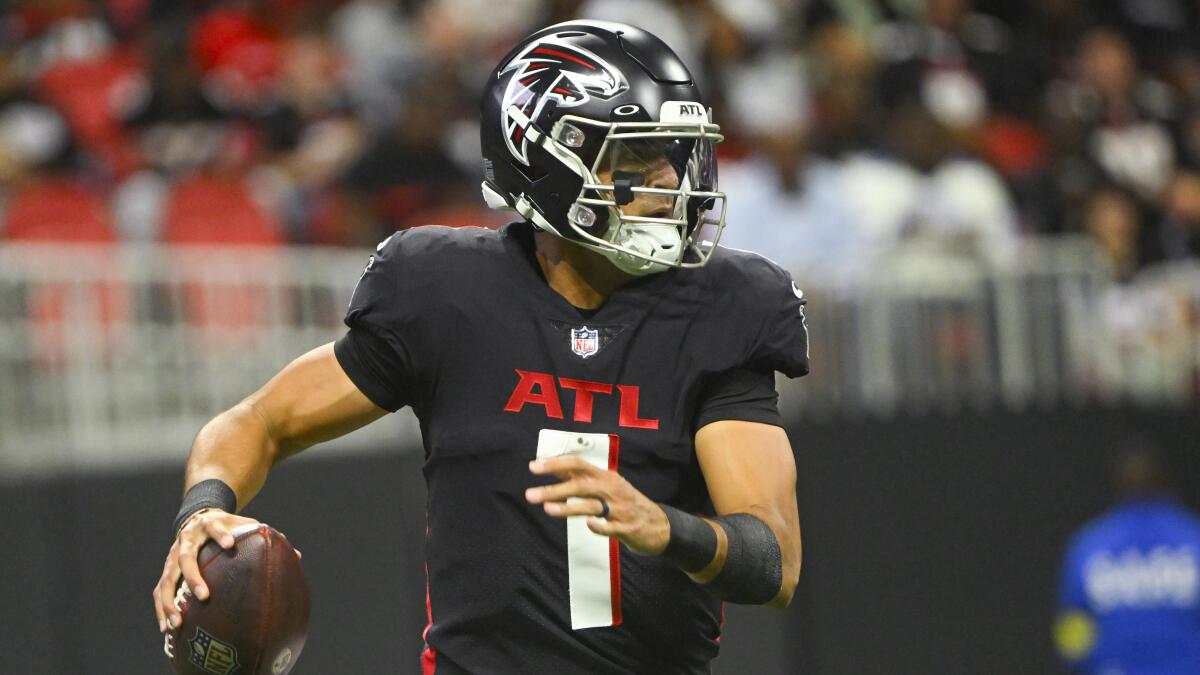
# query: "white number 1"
[593,560]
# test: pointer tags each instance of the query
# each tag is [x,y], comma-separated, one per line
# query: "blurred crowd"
[853,126]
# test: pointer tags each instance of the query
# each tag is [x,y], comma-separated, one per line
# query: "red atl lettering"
[548,398]
[539,389]
[583,395]
[629,409]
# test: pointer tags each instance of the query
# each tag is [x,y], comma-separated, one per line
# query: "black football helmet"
[585,118]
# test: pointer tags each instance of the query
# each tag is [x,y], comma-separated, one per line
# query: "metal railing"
[929,330]
[117,355]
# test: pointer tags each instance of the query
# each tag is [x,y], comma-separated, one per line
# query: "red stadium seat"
[93,94]
[209,211]
[64,212]
[58,210]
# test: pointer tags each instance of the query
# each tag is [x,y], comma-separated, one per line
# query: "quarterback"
[594,382]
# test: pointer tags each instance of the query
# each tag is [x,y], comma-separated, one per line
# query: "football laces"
[169,638]
[182,594]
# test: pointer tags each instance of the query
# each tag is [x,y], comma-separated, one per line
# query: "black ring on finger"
[603,509]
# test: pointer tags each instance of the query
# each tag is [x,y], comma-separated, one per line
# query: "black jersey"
[500,369]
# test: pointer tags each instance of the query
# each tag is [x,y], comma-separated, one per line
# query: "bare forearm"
[750,471]
[309,401]
[737,556]
[789,547]
[785,523]
[235,447]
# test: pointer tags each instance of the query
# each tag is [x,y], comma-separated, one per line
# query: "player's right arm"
[309,401]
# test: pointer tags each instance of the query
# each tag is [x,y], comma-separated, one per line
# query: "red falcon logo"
[553,69]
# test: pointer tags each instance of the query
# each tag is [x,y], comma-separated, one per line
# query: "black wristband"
[753,571]
[207,494]
[693,543]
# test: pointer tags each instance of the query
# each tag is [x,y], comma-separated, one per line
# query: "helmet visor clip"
[623,184]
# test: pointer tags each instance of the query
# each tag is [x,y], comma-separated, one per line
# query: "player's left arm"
[750,472]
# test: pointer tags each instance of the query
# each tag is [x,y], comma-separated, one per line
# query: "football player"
[604,455]
[1129,589]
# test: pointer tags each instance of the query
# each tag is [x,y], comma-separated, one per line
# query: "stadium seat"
[63,212]
[206,211]
[94,95]
[58,210]
[217,211]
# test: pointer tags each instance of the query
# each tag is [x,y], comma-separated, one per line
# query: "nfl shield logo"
[213,655]
[585,341]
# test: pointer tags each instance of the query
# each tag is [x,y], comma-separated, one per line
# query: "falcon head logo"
[553,69]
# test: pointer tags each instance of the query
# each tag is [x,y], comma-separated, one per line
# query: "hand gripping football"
[255,620]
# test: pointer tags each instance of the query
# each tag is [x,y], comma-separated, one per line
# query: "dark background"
[931,545]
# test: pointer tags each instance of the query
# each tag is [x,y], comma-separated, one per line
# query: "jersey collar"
[624,304]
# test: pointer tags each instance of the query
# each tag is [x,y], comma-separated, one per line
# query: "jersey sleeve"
[782,344]
[779,342]
[376,353]
[739,394]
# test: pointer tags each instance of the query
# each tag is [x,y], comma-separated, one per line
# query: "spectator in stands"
[1112,119]
[382,48]
[1158,31]
[43,196]
[339,120]
[1111,217]
[1180,230]
[668,21]
[928,196]
[1129,595]
[1188,130]
[408,169]
[841,72]
[312,135]
[792,206]
[957,62]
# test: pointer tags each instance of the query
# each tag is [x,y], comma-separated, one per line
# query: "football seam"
[201,568]
[183,588]
[265,609]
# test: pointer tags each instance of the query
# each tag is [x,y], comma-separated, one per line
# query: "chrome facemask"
[688,213]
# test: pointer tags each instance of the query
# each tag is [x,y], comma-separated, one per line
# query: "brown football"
[255,620]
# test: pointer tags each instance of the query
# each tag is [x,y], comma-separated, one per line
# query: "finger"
[285,538]
[576,487]
[191,569]
[562,466]
[607,528]
[159,613]
[558,491]
[166,594]
[575,507]
[166,589]
[218,532]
